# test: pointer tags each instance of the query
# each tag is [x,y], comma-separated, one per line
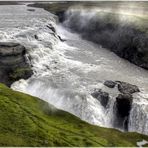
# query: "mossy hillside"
[29,121]
[19,73]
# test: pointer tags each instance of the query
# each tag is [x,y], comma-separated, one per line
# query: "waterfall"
[138,119]
[68,69]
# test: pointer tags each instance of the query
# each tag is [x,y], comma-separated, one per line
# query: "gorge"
[66,69]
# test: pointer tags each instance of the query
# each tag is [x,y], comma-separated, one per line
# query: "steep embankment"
[29,121]
[13,63]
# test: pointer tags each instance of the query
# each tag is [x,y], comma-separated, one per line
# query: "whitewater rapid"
[66,72]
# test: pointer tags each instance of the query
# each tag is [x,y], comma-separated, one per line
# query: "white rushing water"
[66,73]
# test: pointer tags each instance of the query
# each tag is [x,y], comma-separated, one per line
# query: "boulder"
[127,88]
[13,63]
[110,84]
[102,96]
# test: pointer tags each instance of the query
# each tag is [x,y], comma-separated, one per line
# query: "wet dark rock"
[95,94]
[36,37]
[102,96]
[63,40]
[127,88]
[110,84]
[13,64]
[123,106]
[61,15]
[124,102]
[51,28]
[31,9]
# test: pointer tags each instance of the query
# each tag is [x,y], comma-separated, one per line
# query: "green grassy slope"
[29,121]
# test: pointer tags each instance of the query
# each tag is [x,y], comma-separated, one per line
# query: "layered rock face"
[123,101]
[13,64]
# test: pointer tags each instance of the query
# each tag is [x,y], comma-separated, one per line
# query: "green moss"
[29,121]
[19,73]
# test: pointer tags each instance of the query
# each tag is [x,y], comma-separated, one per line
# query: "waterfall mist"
[119,32]
[67,69]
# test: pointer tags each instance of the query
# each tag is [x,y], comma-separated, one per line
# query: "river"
[66,72]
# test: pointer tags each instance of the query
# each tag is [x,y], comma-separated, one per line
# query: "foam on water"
[65,73]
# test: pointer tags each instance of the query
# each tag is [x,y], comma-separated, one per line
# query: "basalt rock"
[13,64]
[123,106]
[123,87]
[63,40]
[123,102]
[110,84]
[102,96]
[127,88]
[51,28]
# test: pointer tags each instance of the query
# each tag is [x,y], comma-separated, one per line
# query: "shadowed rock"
[110,84]
[36,37]
[31,9]
[127,88]
[51,28]
[13,64]
[123,87]
[63,40]
[102,96]
[124,102]
[123,106]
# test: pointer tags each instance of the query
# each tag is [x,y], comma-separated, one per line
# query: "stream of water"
[66,72]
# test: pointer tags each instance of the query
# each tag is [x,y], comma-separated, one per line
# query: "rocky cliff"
[13,63]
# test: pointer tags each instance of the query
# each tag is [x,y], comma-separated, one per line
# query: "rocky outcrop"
[102,96]
[31,10]
[123,101]
[51,28]
[110,84]
[123,106]
[127,88]
[123,87]
[13,64]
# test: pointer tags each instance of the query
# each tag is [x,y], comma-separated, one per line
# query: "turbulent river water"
[67,71]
